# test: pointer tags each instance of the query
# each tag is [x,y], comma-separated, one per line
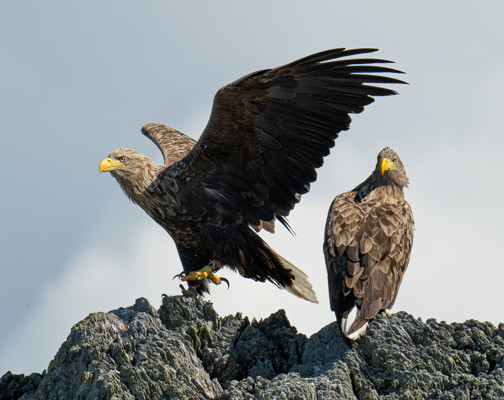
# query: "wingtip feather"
[347,327]
[301,286]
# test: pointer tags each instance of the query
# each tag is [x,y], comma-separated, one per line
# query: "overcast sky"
[79,79]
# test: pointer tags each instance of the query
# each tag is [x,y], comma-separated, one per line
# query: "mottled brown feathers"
[267,134]
[367,246]
[173,144]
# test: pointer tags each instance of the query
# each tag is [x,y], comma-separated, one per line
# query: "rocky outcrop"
[186,351]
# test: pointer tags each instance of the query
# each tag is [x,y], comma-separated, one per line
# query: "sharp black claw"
[225,280]
[179,275]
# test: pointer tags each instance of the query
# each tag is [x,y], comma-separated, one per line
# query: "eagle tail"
[352,326]
[299,286]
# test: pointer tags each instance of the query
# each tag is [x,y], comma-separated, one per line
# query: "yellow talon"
[214,278]
[203,273]
[188,292]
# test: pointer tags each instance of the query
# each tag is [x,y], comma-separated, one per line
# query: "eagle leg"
[189,292]
[206,272]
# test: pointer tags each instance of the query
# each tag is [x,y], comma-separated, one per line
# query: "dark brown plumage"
[267,134]
[367,245]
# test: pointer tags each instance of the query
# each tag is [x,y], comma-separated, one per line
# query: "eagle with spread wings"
[367,245]
[268,132]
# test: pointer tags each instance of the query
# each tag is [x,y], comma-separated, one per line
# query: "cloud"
[100,278]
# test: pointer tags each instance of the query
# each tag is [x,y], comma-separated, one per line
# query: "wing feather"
[268,132]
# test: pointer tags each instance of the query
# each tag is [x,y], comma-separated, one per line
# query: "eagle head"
[134,171]
[390,168]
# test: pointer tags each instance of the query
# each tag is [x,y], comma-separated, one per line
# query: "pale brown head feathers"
[134,171]
[390,169]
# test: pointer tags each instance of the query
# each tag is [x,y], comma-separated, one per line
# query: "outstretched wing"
[367,248]
[267,134]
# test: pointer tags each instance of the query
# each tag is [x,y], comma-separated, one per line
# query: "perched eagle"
[367,245]
[267,133]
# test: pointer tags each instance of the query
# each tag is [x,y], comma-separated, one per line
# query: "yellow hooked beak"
[107,164]
[387,165]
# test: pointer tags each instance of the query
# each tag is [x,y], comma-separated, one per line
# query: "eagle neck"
[134,186]
[375,182]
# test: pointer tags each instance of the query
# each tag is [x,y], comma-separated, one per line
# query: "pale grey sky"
[78,79]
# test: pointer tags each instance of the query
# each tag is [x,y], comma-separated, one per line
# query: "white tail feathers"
[346,325]
[301,286]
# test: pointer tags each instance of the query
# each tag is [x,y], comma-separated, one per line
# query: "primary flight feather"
[267,133]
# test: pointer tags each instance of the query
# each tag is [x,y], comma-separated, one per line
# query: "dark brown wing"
[367,248]
[344,220]
[269,131]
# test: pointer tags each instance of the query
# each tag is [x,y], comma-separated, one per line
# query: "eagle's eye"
[394,160]
[122,159]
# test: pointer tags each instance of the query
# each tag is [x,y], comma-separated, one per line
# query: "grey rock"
[13,387]
[267,349]
[186,351]
[129,354]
